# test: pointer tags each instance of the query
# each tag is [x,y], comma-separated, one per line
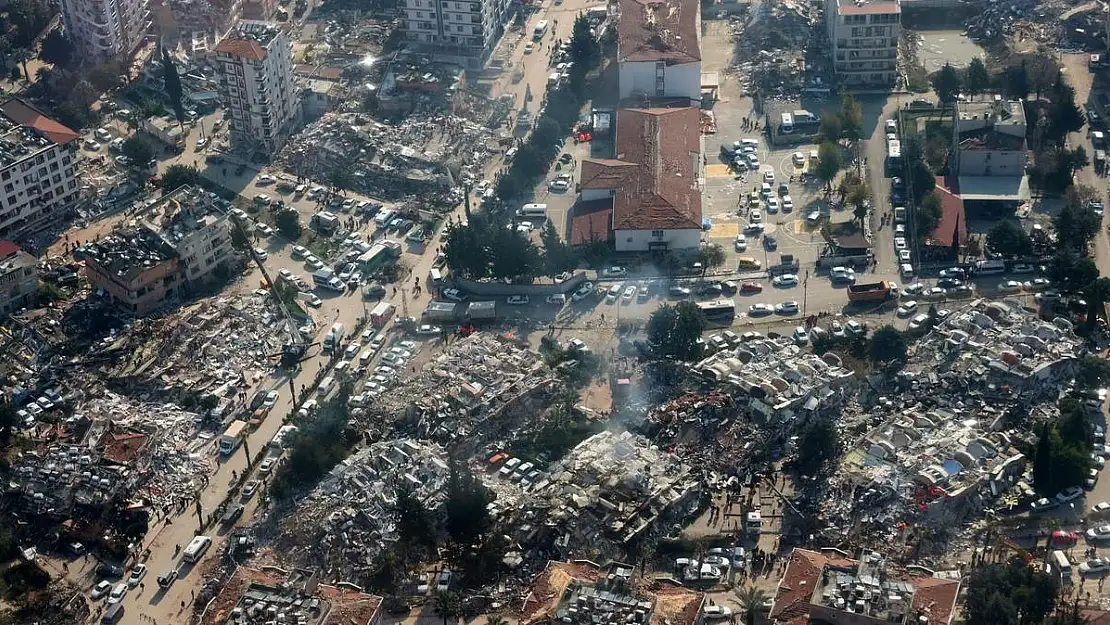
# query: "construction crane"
[294,349]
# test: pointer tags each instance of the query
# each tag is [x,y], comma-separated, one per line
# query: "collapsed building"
[415,156]
[270,594]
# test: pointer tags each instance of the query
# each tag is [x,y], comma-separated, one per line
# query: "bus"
[196,549]
[540,31]
[893,155]
[718,310]
[1062,566]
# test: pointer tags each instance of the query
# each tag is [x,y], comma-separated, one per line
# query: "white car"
[1010,286]
[137,575]
[454,295]
[785,280]
[772,205]
[614,272]
[119,591]
[756,216]
[800,336]
[260,253]
[614,292]
[559,185]
[201,142]
[787,203]
[313,300]
[264,229]
[918,321]
[1101,507]
[789,307]
[102,588]
[769,177]
[899,243]
[907,308]
[904,256]
[799,159]
[583,292]
[517,300]
[741,243]
[1095,566]
[271,399]
[1102,532]
[103,134]
[92,145]
[758,310]
[267,465]
[855,327]
[629,294]
[266,179]
[716,612]
[299,251]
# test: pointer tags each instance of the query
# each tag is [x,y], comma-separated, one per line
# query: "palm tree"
[751,602]
[447,605]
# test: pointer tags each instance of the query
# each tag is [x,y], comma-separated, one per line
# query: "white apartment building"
[19,278]
[191,224]
[658,53]
[256,85]
[864,36]
[464,33]
[37,169]
[105,29]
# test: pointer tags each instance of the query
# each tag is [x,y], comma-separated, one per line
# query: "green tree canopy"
[1092,372]
[57,49]
[1076,226]
[818,444]
[978,80]
[829,162]
[711,256]
[584,49]
[1007,237]
[288,223]
[888,344]
[673,331]
[946,84]
[1011,593]
[465,507]
[138,150]
[851,116]
[178,176]
[173,85]
[831,127]
[557,255]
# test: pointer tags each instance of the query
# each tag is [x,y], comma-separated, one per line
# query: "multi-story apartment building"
[106,29]
[199,232]
[135,268]
[864,36]
[464,33]
[37,169]
[658,53]
[19,280]
[989,151]
[256,85]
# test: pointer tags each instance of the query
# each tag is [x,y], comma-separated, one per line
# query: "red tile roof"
[246,48]
[26,115]
[590,220]
[7,248]
[655,172]
[658,30]
[935,597]
[951,212]
[802,575]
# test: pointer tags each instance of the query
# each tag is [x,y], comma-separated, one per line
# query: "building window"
[657,234]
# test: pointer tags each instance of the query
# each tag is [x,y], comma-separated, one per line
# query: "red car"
[751,287]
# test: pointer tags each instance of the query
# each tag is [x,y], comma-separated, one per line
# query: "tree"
[340,179]
[817,445]
[584,49]
[28,17]
[414,523]
[947,84]
[177,176]
[173,86]
[751,602]
[288,224]
[858,196]
[829,162]
[831,126]
[512,255]
[712,255]
[466,251]
[673,331]
[1064,115]
[105,76]
[557,255]
[1010,593]
[1097,294]
[927,215]
[888,344]
[547,133]
[447,605]
[138,150]
[1007,237]
[978,80]
[1017,81]
[84,93]
[1092,372]
[1069,273]
[7,422]
[57,49]
[851,116]
[1076,226]
[465,507]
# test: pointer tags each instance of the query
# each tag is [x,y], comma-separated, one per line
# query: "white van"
[384,217]
[752,142]
[325,387]
[533,210]
[365,357]
[907,270]
[196,549]
[342,366]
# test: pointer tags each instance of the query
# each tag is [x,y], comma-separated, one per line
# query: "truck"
[787,264]
[232,437]
[379,254]
[440,311]
[382,314]
[869,291]
[481,310]
[335,337]
[322,276]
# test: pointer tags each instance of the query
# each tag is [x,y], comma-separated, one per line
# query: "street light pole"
[805,292]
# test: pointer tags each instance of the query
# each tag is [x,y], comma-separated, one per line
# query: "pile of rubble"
[416,155]
[347,519]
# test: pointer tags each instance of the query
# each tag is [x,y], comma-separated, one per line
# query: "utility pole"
[805,292]
[247,451]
